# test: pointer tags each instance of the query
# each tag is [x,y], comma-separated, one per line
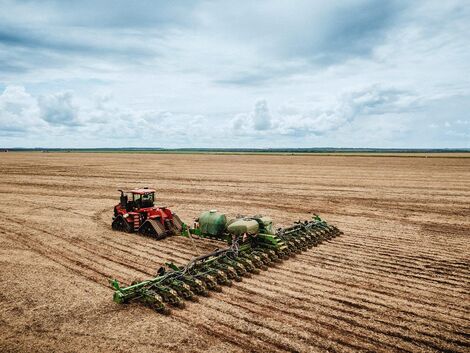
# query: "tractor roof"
[142,191]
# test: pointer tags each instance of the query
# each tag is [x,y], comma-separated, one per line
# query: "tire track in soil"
[55,334]
[364,293]
[302,280]
[327,262]
[379,263]
[376,247]
[323,330]
[331,297]
[52,255]
[88,247]
[266,309]
[235,335]
[417,260]
[284,332]
[348,322]
[303,307]
[384,246]
[385,283]
[79,255]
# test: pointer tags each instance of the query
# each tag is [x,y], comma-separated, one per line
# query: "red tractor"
[136,212]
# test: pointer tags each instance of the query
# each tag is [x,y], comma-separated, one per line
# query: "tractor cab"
[137,199]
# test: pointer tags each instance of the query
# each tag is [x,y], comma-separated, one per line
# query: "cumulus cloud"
[261,116]
[18,111]
[259,119]
[349,106]
[58,109]
[22,114]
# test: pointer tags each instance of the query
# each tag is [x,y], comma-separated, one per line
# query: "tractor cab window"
[137,200]
[145,200]
[148,199]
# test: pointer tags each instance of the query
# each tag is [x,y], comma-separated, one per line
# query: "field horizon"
[320,151]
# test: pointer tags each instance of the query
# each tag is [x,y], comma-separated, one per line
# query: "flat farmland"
[398,280]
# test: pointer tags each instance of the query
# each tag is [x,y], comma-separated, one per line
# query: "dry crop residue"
[397,280]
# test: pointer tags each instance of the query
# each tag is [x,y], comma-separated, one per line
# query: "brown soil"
[397,280]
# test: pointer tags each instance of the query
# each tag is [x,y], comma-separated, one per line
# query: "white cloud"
[58,109]
[257,120]
[261,117]
[19,112]
[347,107]
[56,115]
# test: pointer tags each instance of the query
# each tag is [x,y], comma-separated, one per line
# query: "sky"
[264,74]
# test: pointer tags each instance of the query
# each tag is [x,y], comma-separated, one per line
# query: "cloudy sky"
[344,73]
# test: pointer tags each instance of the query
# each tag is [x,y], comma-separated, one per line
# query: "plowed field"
[397,280]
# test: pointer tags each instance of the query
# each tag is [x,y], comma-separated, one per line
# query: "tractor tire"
[177,224]
[172,230]
[120,224]
[153,229]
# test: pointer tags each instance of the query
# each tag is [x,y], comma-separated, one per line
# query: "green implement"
[254,245]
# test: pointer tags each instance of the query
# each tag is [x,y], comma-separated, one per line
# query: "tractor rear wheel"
[177,224]
[153,228]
